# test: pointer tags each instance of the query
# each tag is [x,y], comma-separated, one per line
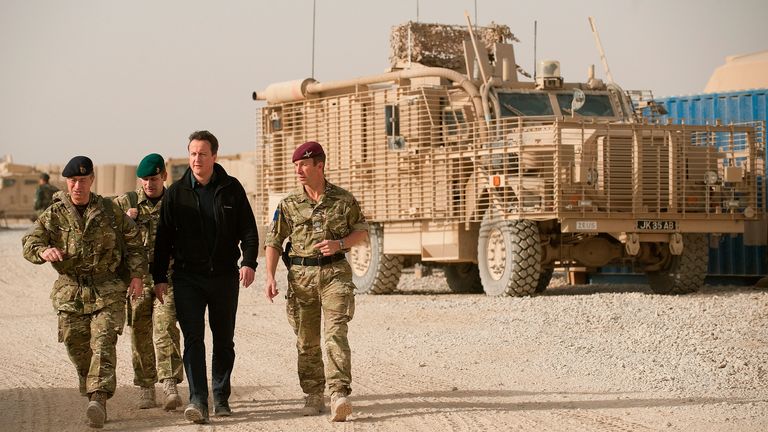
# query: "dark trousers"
[195,292]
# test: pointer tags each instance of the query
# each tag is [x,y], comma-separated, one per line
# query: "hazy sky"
[116,80]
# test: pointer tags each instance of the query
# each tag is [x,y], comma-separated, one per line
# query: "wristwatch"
[341,244]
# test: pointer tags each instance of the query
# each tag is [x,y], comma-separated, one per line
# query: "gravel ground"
[588,357]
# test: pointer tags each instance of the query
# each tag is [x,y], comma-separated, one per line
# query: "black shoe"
[222,409]
[196,414]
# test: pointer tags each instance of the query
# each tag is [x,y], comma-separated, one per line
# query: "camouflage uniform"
[148,315]
[88,295]
[44,197]
[315,289]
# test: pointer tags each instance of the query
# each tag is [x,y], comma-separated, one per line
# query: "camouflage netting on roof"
[440,45]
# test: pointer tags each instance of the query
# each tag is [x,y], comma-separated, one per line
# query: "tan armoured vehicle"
[458,160]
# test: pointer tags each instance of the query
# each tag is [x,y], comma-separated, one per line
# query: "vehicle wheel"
[685,273]
[509,256]
[463,278]
[373,272]
[544,278]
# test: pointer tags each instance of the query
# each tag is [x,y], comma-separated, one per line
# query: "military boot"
[172,398]
[97,409]
[147,397]
[314,404]
[341,407]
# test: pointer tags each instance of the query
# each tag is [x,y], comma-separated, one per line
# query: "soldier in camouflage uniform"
[152,313]
[44,193]
[322,221]
[85,239]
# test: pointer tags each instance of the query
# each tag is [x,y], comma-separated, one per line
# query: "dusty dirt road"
[587,358]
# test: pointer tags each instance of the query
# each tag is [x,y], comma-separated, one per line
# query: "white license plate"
[656,225]
[586,225]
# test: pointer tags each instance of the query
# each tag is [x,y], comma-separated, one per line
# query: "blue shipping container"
[731,259]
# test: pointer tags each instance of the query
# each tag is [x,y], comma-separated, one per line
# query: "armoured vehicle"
[17,191]
[457,159]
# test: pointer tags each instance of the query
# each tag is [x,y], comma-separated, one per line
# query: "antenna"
[474,45]
[600,50]
[314,16]
[535,23]
[417,10]
[475,15]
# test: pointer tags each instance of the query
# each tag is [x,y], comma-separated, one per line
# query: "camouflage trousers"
[321,296]
[155,339]
[90,340]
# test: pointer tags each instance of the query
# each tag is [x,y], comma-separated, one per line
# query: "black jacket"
[180,231]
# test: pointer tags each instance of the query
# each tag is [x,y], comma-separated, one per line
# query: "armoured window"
[30,182]
[392,127]
[594,105]
[452,119]
[392,119]
[8,182]
[525,104]
[275,122]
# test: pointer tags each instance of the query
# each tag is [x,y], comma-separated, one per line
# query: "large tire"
[373,272]
[463,278]
[544,278]
[509,256]
[685,273]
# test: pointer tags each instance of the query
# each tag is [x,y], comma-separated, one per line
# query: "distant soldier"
[44,193]
[160,360]
[322,221]
[85,238]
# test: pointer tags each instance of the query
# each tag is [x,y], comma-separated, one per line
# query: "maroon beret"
[307,150]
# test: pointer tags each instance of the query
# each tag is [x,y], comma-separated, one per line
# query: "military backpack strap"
[122,268]
[133,199]
[109,208]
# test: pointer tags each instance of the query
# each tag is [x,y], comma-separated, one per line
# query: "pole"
[314,18]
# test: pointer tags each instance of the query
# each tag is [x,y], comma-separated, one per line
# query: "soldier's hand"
[328,247]
[270,290]
[132,213]
[160,290]
[247,275]
[52,254]
[135,289]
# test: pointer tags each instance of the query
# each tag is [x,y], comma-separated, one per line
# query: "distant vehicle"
[457,161]
[17,192]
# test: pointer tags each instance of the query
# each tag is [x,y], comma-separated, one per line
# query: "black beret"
[152,164]
[78,166]
[307,150]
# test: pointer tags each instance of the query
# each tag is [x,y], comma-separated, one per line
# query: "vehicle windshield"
[598,105]
[524,104]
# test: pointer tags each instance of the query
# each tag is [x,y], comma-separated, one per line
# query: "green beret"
[152,164]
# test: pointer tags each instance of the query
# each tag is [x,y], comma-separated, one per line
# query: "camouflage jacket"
[307,223]
[147,220]
[90,248]
[44,196]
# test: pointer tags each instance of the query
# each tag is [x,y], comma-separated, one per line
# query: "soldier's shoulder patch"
[275,217]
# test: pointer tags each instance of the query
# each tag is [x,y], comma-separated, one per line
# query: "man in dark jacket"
[204,218]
